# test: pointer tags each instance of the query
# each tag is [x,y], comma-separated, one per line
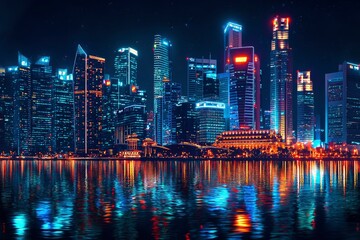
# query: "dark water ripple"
[179,200]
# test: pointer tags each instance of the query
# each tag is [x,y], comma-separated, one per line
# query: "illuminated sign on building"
[234,26]
[241,59]
[208,104]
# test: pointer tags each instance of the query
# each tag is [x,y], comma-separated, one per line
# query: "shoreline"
[144,159]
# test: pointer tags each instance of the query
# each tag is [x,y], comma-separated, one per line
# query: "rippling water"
[182,200]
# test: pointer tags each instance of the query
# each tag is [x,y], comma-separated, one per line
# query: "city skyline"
[186,32]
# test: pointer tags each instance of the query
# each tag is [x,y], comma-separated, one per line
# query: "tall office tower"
[63,112]
[125,66]
[281,80]
[211,121]
[41,106]
[161,72]
[7,106]
[197,68]
[317,131]
[186,126]
[232,39]
[257,105]
[131,119]
[161,65]
[2,110]
[265,120]
[224,96]
[171,96]
[150,128]
[110,107]
[211,87]
[305,108]
[21,79]
[242,94]
[342,105]
[88,75]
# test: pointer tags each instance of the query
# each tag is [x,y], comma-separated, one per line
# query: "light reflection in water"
[205,199]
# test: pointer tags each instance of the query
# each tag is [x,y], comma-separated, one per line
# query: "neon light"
[133,51]
[241,59]
[107,83]
[166,43]
[236,27]
[208,104]
[133,89]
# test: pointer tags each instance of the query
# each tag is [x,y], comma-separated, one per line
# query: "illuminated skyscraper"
[161,72]
[21,78]
[281,80]
[125,66]
[63,112]
[197,68]
[211,87]
[7,107]
[242,87]
[211,121]
[131,119]
[88,79]
[342,105]
[232,38]
[186,126]
[224,95]
[41,106]
[257,94]
[171,96]
[305,108]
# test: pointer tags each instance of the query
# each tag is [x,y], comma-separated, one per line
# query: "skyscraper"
[211,121]
[63,112]
[161,72]
[197,68]
[131,119]
[21,78]
[41,106]
[305,108]
[242,87]
[171,96]
[211,87]
[224,95]
[281,80]
[125,66]
[7,107]
[186,126]
[88,79]
[257,94]
[232,39]
[342,105]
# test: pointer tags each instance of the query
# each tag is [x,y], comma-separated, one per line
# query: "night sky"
[323,33]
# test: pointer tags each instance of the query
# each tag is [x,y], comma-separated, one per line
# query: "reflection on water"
[189,200]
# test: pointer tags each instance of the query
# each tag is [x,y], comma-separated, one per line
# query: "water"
[179,200]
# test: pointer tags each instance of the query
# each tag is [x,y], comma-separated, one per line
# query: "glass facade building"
[197,68]
[7,107]
[125,65]
[186,122]
[342,105]
[21,79]
[63,112]
[161,72]
[281,80]
[41,106]
[242,88]
[88,75]
[211,121]
[305,108]
[131,119]
[232,39]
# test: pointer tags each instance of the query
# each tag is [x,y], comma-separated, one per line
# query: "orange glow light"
[107,83]
[241,59]
[133,88]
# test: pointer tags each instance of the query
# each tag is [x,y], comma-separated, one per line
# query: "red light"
[133,88]
[256,58]
[241,59]
[107,83]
